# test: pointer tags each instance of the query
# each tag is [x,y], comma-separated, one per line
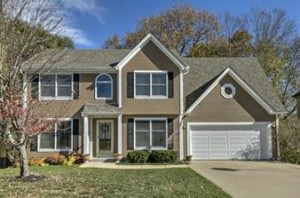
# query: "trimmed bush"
[163,156]
[55,159]
[138,156]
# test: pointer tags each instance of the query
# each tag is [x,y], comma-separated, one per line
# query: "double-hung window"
[56,86]
[150,133]
[59,138]
[152,84]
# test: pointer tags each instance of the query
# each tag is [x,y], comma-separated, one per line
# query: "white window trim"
[233,90]
[111,89]
[56,97]
[149,119]
[151,72]
[55,139]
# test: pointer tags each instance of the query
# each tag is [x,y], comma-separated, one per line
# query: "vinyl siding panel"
[150,58]
[242,108]
[73,108]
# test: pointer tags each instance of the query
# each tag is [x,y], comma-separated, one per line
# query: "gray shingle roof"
[76,60]
[203,71]
[100,108]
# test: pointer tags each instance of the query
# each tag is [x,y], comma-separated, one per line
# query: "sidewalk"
[112,165]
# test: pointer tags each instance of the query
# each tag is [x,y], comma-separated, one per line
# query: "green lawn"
[71,181]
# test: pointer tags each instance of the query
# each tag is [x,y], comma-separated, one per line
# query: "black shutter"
[170,133]
[170,85]
[130,85]
[130,134]
[76,86]
[75,126]
[35,86]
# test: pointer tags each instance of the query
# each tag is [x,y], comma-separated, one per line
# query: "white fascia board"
[241,82]
[137,48]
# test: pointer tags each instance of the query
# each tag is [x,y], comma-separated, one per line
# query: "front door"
[105,137]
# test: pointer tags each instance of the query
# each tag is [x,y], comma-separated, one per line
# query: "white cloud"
[86,8]
[77,35]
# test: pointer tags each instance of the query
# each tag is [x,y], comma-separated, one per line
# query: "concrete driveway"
[243,179]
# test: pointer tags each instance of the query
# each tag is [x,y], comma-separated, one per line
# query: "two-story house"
[151,98]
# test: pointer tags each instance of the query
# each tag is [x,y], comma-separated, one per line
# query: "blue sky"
[91,22]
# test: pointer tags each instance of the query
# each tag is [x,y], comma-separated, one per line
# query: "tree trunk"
[24,169]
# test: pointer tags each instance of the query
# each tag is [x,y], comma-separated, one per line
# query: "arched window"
[103,86]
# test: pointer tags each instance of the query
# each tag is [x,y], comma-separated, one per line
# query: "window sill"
[151,148]
[103,98]
[150,97]
[53,150]
[55,98]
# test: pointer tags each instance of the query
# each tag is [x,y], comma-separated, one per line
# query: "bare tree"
[25,28]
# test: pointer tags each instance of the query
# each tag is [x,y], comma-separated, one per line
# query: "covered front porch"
[102,131]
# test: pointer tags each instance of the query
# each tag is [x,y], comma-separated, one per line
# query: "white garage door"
[230,141]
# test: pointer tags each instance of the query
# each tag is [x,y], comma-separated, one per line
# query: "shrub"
[37,162]
[55,159]
[79,158]
[163,156]
[70,161]
[291,156]
[138,156]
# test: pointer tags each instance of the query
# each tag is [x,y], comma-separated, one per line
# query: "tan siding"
[124,128]
[242,108]
[150,58]
[73,108]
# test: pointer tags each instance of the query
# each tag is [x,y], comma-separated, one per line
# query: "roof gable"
[148,38]
[204,71]
[241,82]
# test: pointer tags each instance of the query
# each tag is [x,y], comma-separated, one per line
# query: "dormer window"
[103,87]
[152,84]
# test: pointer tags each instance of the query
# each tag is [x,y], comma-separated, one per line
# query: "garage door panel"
[200,137]
[218,146]
[237,146]
[238,137]
[219,155]
[218,137]
[201,146]
[226,141]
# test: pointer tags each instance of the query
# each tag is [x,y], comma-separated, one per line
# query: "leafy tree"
[181,28]
[113,42]
[25,31]
[237,46]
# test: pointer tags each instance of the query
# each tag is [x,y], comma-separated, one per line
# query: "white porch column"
[180,138]
[180,120]
[120,137]
[86,138]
